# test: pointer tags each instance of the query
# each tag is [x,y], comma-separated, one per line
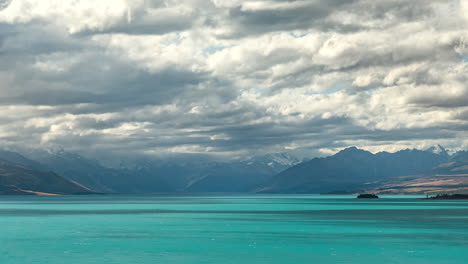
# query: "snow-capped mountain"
[439,150]
[275,159]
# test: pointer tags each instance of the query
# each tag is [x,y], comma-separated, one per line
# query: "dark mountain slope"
[97,177]
[458,164]
[349,169]
[231,177]
[449,177]
[15,157]
[19,179]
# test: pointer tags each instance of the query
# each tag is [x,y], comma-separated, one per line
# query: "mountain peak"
[278,158]
[353,151]
[438,149]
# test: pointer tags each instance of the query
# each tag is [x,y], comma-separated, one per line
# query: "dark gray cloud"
[299,16]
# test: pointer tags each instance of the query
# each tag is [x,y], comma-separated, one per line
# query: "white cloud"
[233,76]
[272,5]
[464,9]
[227,3]
[74,15]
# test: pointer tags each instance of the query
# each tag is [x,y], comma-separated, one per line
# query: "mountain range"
[348,171]
[156,176]
[448,177]
[354,169]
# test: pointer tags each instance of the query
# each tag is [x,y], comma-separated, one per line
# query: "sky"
[232,78]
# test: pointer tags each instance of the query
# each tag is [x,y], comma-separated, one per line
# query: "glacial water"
[231,229]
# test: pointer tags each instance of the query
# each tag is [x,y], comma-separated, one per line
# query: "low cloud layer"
[233,78]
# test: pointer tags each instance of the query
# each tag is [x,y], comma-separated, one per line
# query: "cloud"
[233,78]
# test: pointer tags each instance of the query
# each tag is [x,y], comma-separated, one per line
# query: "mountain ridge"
[349,169]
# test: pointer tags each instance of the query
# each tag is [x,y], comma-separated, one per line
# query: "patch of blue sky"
[212,49]
[298,34]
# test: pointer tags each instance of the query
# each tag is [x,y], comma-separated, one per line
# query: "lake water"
[231,229]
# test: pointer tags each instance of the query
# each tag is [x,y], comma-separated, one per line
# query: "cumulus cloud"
[233,78]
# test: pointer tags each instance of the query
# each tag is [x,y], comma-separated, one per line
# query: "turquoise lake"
[236,229]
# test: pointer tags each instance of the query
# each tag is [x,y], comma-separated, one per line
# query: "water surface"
[231,229]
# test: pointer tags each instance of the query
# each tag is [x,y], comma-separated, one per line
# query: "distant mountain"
[152,175]
[15,157]
[439,150]
[458,164]
[278,161]
[240,176]
[92,174]
[420,184]
[234,176]
[73,167]
[351,169]
[348,170]
[448,177]
[175,174]
[20,179]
